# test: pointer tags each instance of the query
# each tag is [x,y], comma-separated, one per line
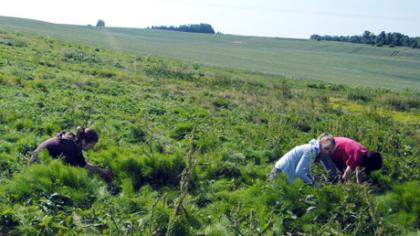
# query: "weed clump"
[181,130]
[402,103]
[157,171]
[45,180]
[359,94]
[80,56]
[221,103]
[13,42]
[136,135]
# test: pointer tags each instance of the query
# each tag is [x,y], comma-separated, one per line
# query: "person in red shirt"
[349,155]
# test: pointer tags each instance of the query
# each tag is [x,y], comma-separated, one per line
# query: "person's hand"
[347,174]
[360,175]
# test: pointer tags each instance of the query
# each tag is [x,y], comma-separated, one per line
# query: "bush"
[156,171]
[136,135]
[319,85]
[165,71]
[402,103]
[220,103]
[39,181]
[13,43]
[359,94]
[402,206]
[226,170]
[80,56]
[100,23]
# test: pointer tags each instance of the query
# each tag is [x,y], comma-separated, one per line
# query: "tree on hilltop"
[100,23]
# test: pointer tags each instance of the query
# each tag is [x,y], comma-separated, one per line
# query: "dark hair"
[88,134]
[372,161]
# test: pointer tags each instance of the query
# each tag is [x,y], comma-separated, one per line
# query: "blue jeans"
[333,171]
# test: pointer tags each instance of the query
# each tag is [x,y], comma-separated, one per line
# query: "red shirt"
[348,152]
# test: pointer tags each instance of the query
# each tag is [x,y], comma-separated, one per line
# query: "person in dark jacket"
[70,147]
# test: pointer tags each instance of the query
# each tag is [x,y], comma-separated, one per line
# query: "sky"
[273,18]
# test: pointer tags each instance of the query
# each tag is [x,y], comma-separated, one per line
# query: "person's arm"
[360,175]
[303,168]
[81,161]
[104,173]
[353,161]
[34,155]
[347,173]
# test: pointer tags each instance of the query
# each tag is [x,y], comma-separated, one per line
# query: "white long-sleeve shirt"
[297,162]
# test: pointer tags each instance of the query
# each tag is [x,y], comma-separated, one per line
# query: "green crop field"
[159,116]
[351,64]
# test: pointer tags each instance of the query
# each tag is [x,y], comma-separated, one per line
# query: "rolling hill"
[345,63]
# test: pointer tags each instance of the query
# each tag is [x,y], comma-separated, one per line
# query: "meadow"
[191,147]
[344,63]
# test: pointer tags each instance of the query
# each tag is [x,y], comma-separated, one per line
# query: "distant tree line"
[194,28]
[383,38]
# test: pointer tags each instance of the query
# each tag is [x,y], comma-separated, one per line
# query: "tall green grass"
[145,109]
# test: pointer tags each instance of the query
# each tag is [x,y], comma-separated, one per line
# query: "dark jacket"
[64,145]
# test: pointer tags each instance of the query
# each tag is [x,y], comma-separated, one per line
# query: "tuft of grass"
[181,130]
[400,103]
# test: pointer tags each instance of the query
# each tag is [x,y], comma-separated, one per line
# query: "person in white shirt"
[297,162]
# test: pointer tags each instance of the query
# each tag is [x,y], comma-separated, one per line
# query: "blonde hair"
[326,139]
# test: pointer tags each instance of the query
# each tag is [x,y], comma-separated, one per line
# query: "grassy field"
[145,109]
[345,63]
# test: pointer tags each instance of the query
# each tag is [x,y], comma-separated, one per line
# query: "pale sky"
[279,18]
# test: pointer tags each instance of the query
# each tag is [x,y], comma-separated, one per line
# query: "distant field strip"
[352,64]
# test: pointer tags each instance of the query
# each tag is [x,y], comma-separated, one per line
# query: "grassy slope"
[345,63]
[144,109]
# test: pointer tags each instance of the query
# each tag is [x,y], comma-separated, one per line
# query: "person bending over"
[70,147]
[348,156]
[297,162]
